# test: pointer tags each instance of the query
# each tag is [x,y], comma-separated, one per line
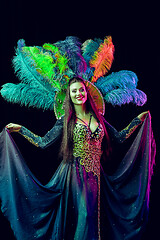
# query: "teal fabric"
[66,208]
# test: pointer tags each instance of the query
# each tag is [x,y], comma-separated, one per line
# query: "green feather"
[43,63]
[34,90]
[62,61]
[26,72]
[50,47]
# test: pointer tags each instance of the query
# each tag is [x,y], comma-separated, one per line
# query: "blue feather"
[120,88]
[123,96]
[33,90]
[71,47]
[28,95]
[89,47]
[21,44]
[122,79]
[25,70]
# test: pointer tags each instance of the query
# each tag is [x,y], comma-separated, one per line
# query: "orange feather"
[102,58]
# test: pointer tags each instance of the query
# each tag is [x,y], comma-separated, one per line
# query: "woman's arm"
[38,141]
[126,132]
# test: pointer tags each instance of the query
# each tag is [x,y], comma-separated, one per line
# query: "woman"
[70,205]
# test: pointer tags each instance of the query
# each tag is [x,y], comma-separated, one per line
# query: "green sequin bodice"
[87,147]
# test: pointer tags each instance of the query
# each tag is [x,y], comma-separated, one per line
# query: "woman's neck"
[80,110]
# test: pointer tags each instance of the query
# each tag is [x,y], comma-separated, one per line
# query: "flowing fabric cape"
[37,211]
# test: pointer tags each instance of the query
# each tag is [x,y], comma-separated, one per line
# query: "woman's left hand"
[142,115]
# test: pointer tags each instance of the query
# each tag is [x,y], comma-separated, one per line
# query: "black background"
[134,27]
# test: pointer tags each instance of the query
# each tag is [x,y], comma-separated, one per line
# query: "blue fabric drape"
[45,212]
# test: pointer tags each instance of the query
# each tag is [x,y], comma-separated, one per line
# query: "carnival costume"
[81,201]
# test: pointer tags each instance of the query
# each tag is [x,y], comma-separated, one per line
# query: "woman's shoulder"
[60,119]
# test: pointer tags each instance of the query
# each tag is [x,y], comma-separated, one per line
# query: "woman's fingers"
[12,127]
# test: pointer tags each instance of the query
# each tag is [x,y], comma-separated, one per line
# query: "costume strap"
[85,122]
[90,121]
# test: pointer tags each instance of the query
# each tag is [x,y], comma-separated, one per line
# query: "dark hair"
[66,151]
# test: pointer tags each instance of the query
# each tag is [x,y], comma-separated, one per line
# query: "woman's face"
[78,93]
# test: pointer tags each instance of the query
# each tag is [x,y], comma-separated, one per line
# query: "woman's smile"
[80,98]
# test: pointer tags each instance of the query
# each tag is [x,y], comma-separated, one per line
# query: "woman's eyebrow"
[76,88]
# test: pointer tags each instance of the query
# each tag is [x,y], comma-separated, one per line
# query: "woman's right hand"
[12,127]
[142,116]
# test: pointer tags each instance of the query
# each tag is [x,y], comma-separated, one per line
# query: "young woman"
[70,205]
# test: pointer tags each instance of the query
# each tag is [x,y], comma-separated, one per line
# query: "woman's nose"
[79,93]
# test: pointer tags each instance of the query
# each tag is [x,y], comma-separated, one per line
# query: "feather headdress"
[44,73]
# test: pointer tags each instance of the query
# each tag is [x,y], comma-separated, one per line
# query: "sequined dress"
[87,154]
[69,207]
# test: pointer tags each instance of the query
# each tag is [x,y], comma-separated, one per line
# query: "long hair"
[66,150]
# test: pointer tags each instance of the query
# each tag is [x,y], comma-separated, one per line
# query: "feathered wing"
[120,88]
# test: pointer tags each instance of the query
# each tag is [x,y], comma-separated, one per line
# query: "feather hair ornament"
[102,59]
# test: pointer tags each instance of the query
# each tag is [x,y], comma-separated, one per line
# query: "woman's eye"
[82,90]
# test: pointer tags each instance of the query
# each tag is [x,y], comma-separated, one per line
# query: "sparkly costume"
[80,202]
